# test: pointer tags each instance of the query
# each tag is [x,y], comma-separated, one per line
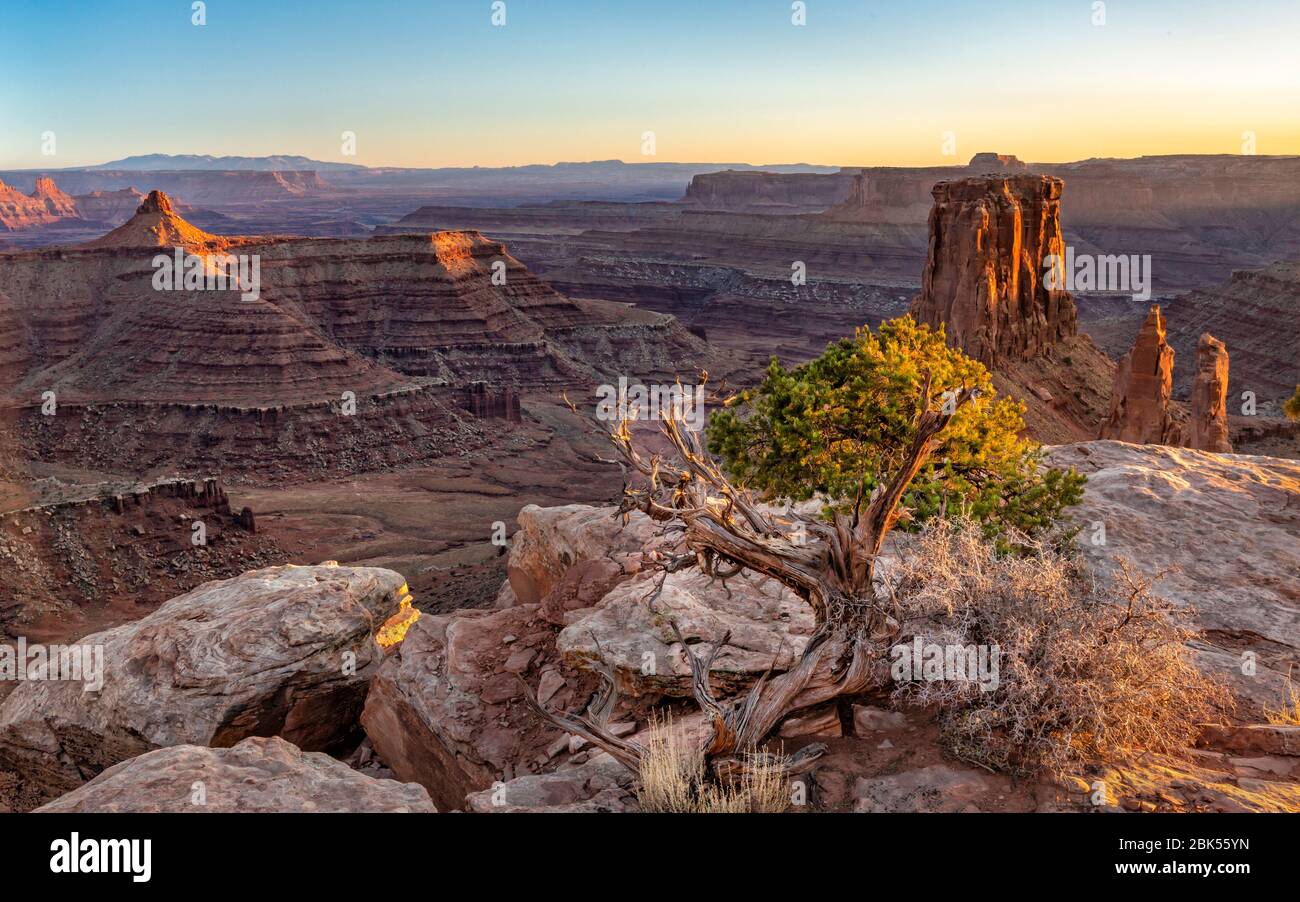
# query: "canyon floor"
[434,524]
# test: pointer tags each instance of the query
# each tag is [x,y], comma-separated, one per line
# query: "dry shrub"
[673,779]
[1289,714]
[1088,668]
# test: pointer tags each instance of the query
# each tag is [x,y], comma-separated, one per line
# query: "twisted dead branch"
[724,531]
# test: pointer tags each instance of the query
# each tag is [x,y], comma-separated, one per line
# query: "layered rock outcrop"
[259,775]
[347,354]
[56,202]
[1208,427]
[1225,533]
[45,205]
[1139,401]
[984,280]
[446,709]
[117,550]
[304,323]
[283,651]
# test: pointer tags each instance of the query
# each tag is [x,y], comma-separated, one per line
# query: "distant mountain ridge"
[158,162]
[163,162]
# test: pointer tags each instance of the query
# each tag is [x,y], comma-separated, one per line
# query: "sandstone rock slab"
[256,775]
[598,785]
[550,540]
[1231,526]
[631,630]
[445,712]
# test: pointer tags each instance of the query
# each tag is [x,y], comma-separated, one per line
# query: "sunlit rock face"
[1139,400]
[1220,533]
[1208,429]
[984,272]
[46,204]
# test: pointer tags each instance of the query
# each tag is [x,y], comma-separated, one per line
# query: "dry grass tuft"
[1289,714]
[1088,669]
[674,780]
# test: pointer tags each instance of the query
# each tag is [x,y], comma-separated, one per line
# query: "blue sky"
[435,83]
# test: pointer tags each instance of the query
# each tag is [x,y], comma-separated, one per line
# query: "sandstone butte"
[989,236]
[1208,428]
[46,204]
[983,278]
[1139,405]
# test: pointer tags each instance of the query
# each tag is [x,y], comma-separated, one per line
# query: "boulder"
[1139,399]
[599,784]
[446,709]
[550,540]
[630,630]
[1208,429]
[256,775]
[282,651]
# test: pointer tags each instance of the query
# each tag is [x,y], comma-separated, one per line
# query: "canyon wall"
[769,191]
[1254,314]
[351,355]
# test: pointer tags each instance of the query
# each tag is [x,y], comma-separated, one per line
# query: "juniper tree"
[861,422]
[836,427]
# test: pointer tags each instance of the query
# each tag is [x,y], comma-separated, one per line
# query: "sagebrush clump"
[1087,668]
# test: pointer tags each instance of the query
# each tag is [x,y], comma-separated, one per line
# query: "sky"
[436,83]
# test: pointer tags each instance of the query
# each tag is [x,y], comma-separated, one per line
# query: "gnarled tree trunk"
[833,570]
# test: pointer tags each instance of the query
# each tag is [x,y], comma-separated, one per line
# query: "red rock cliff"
[983,281]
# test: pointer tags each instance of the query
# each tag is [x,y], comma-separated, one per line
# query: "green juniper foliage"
[1292,405]
[839,424]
